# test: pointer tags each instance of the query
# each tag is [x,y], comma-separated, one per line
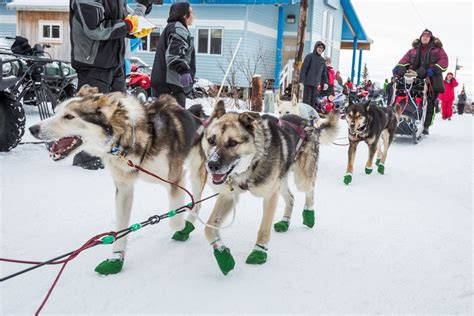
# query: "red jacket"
[331,75]
[448,94]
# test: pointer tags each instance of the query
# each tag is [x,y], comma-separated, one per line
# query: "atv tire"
[12,122]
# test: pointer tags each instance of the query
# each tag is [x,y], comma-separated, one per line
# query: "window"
[209,41]
[50,31]
[149,42]
[328,33]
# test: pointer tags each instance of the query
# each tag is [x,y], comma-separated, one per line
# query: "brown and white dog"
[249,152]
[160,138]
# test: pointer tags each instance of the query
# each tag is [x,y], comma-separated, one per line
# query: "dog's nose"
[35,129]
[214,165]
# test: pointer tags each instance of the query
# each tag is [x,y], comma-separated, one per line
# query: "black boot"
[426,131]
[87,161]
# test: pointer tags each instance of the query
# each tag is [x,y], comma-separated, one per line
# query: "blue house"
[268,29]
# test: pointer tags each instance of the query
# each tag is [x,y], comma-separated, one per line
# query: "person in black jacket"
[174,66]
[461,101]
[313,74]
[98,32]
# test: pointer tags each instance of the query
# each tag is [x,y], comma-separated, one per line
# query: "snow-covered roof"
[39,5]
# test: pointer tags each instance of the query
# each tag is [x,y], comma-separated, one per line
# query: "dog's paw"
[281,226]
[348,178]
[224,259]
[381,168]
[257,257]
[110,266]
[377,162]
[308,218]
[183,235]
[368,170]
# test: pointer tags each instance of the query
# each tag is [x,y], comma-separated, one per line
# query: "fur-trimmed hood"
[437,42]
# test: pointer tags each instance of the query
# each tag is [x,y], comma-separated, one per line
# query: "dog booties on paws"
[381,168]
[110,266]
[257,257]
[347,178]
[224,259]
[183,235]
[368,170]
[308,218]
[282,226]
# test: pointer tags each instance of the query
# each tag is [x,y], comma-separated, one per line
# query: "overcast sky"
[393,25]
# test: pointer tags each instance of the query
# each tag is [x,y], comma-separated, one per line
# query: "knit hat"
[428,32]
[178,11]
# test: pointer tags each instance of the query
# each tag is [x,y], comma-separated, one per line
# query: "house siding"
[7,22]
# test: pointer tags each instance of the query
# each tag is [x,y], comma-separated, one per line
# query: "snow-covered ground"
[397,243]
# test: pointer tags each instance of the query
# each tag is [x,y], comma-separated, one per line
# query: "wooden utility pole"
[257,90]
[299,46]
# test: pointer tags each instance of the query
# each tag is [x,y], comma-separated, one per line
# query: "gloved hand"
[398,71]
[429,72]
[325,87]
[421,72]
[132,22]
[185,79]
[143,33]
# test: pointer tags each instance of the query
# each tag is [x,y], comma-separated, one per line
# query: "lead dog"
[160,138]
[249,152]
[369,123]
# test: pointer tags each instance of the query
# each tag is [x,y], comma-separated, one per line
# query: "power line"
[418,13]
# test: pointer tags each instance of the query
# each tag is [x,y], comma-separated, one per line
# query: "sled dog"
[369,122]
[160,137]
[249,152]
[294,107]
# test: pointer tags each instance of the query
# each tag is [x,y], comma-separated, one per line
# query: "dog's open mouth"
[61,148]
[219,178]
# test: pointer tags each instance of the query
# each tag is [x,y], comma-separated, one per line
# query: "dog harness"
[302,133]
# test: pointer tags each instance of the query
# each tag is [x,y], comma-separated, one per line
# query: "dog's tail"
[329,128]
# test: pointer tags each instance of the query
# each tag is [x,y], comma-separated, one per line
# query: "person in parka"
[447,97]
[313,74]
[174,66]
[461,102]
[429,60]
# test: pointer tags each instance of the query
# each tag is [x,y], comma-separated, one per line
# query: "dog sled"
[410,94]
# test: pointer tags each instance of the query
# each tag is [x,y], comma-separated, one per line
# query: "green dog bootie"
[224,259]
[381,169]
[308,218]
[368,170]
[348,178]
[258,255]
[110,266]
[282,226]
[377,162]
[183,235]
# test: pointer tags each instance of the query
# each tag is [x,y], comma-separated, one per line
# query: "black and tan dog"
[249,152]
[369,123]
[160,138]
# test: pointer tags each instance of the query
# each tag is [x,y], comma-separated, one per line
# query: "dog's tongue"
[218,177]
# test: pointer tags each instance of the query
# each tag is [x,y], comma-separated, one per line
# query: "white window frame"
[148,37]
[210,29]
[50,23]
[328,33]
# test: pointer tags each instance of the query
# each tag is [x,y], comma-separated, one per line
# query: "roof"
[351,27]
[39,5]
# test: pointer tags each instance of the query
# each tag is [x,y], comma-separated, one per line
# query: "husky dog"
[293,107]
[249,152]
[159,138]
[369,123]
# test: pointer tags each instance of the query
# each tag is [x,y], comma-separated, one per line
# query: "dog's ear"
[249,120]
[294,100]
[87,90]
[219,109]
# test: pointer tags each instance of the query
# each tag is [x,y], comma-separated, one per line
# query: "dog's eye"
[231,143]
[287,112]
[212,140]
[68,116]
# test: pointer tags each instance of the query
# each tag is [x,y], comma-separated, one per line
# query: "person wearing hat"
[174,66]
[313,74]
[428,58]
[447,97]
